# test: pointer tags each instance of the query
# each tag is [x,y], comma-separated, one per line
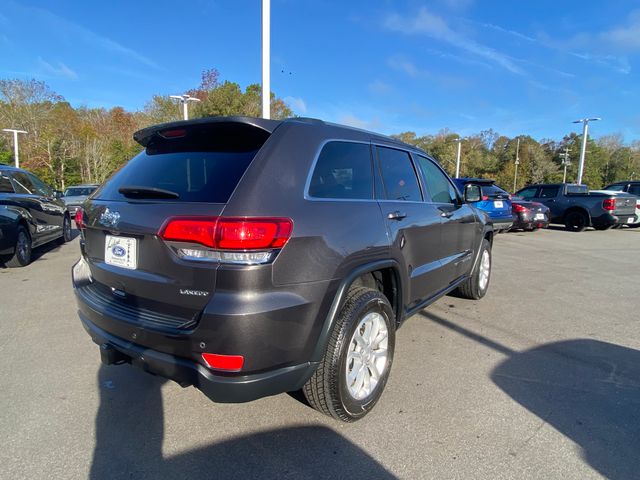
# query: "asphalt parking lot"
[541,379]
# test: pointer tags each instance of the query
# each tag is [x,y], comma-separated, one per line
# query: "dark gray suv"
[251,257]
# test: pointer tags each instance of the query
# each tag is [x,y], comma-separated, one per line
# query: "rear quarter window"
[343,170]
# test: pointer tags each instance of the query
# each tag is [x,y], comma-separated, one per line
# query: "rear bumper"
[529,221]
[608,219]
[271,339]
[223,389]
[501,224]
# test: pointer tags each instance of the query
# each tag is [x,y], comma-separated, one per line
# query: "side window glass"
[527,193]
[399,179]
[634,189]
[343,170]
[549,192]
[440,188]
[42,188]
[22,184]
[5,184]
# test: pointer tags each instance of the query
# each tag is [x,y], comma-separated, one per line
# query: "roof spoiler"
[144,136]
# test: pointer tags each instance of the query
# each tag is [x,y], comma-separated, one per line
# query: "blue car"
[495,201]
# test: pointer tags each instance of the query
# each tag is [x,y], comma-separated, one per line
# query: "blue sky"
[517,67]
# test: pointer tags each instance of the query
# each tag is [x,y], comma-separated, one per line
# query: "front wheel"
[22,254]
[354,370]
[476,286]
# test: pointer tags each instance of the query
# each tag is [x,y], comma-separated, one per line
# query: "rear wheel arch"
[388,271]
[581,210]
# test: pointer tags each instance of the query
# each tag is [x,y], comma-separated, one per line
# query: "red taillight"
[609,204]
[80,219]
[196,230]
[229,363]
[252,233]
[229,233]
[519,208]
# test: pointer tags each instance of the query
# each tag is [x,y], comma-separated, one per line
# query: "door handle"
[397,215]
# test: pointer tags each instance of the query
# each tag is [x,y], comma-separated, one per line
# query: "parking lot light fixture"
[516,163]
[583,150]
[266,59]
[184,101]
[459,141]
[15,143]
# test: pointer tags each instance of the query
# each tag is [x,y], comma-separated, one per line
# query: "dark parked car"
[30,216]
[250,257]
[528,216]
[495,201]
[75,195]
[578,208]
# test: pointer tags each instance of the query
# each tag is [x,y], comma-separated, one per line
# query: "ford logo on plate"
[118,251]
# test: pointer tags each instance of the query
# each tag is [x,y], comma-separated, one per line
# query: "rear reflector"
[228,363]
[609,204]
[229,233]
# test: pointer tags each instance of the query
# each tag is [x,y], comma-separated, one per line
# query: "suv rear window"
[493,191]
[343,170]
[204,164]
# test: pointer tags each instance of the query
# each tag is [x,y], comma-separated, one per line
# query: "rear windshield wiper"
[132,191]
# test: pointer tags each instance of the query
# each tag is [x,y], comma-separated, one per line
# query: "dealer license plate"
[539,216]
[498,204]
[121,251]
[630,220]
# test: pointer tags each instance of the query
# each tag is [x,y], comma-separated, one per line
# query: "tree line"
[67,145]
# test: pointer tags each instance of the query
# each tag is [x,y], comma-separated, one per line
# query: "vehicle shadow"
[42,250]
[586,389]
[130,433]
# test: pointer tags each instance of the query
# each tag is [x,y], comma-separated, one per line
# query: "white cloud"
[379,87]
[60,70]
[80,33]
[626,37]
[401,64]
[297,104]
[434,26]
[353,121]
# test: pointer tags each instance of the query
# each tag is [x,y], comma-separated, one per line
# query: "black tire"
[472,288]
[66,231]
[576,221]
[327,390]
[22,255]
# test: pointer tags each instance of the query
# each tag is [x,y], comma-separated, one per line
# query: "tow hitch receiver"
[111,356]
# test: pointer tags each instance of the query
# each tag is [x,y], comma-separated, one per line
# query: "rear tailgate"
[189,170]
[625,204]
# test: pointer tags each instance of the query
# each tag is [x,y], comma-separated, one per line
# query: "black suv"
[251,257]
[31,214]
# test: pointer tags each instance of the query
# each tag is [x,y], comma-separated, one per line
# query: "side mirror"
[472,193]
[57,194]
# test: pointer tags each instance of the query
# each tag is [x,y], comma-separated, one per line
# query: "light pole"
[583,150]
[459,140]
[516,163]
[184,101]
[266,60]
[565,163]
[15,143]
